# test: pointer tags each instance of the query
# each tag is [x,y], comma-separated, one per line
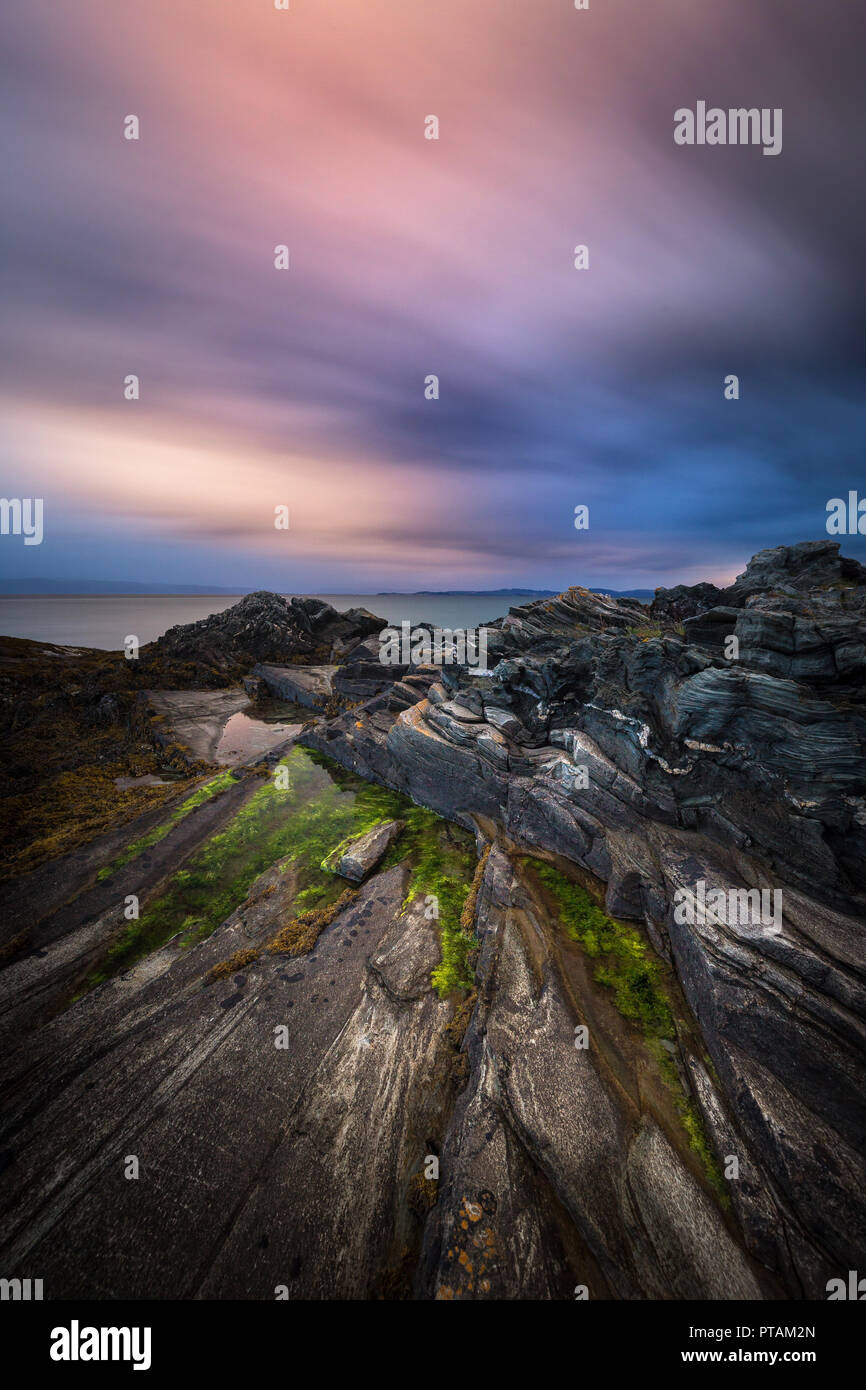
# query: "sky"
[305,388]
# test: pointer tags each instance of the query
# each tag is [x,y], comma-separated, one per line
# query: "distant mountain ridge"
[506,593]
[107,588]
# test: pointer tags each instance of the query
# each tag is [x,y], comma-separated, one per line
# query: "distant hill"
[644,594]
[119,587]
[465,593]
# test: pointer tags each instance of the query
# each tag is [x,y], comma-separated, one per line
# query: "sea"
[105,621]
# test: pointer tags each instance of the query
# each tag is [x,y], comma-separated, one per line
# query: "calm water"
[100,621]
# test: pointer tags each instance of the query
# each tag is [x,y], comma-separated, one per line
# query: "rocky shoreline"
[706,1142]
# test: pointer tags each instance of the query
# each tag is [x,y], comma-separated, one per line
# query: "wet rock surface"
[68,914]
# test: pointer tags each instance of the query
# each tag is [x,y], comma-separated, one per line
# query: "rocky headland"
[407,1007]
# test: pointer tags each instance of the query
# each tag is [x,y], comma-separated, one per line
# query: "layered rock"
[310,686]
[264,627]
[641,751]
[350,1172]
[554,1174]
[797,612]
[653,762]
[261,1166]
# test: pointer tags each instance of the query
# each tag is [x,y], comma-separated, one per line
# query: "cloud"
[411,257]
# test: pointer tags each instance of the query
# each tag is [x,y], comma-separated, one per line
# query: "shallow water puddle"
[222,726]
[246,737]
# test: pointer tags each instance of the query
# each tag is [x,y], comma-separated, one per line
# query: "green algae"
[624,963]
[201,794]
[441,859]
[442,864]
[623,960]
[319,805]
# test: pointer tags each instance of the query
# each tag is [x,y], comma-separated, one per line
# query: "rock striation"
[404,1144]
[628,743]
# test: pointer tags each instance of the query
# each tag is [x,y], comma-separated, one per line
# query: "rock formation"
[265,627]
[632,747]
[525,1138]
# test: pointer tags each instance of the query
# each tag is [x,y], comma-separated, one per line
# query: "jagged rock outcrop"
[796,611]
[264,627]
[654,762]
[362,674]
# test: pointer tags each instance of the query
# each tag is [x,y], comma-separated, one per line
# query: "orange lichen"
[232,965]
[302,933]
